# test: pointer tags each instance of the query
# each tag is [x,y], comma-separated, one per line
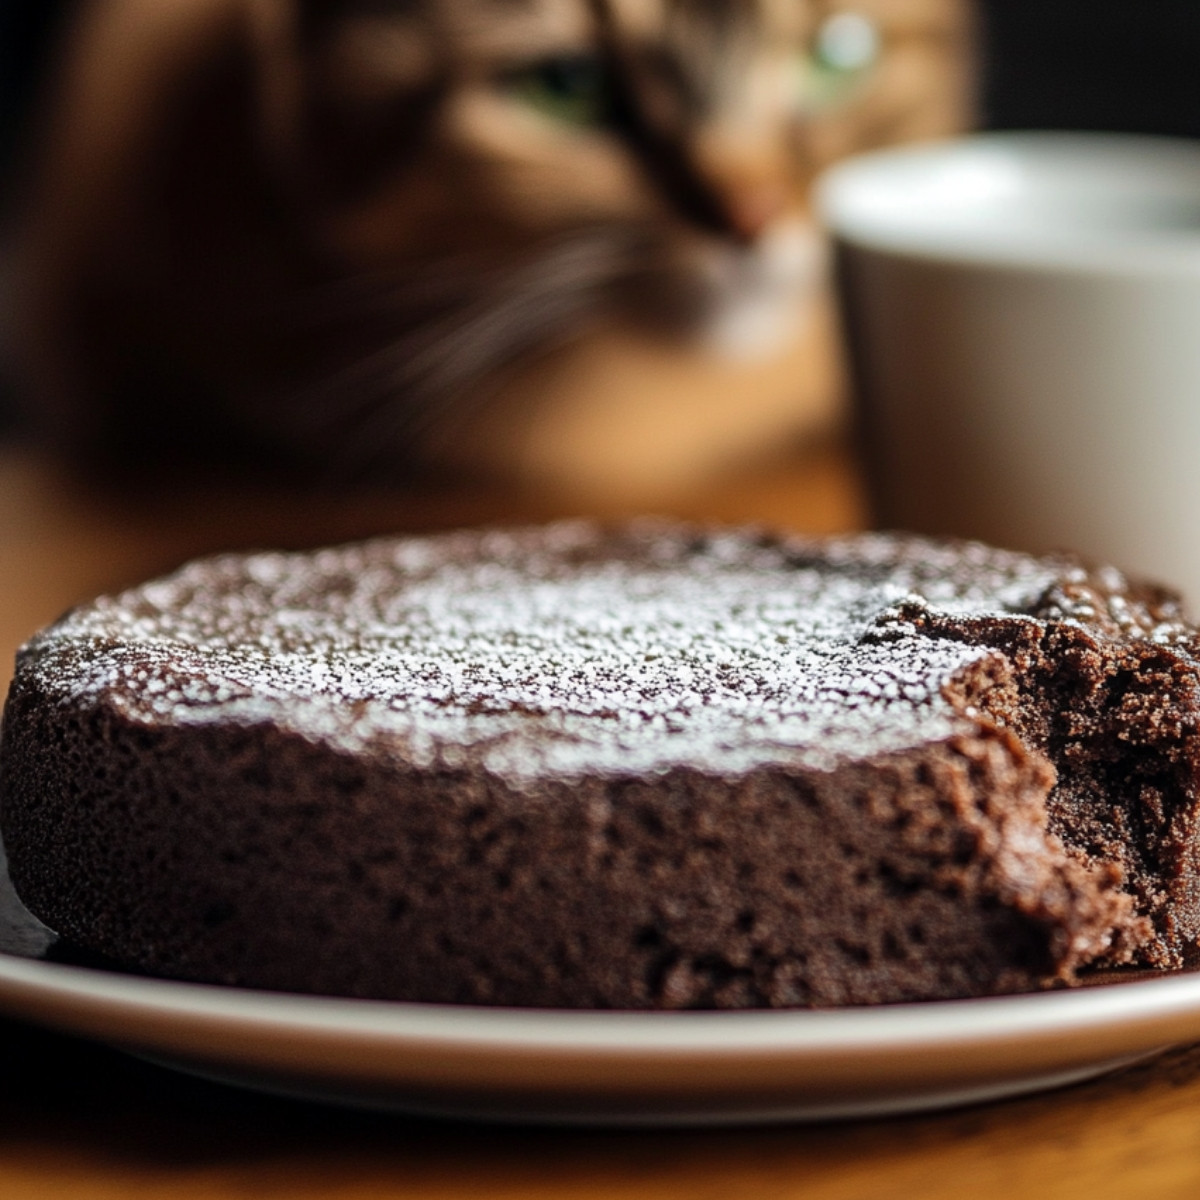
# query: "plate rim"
[1154,1005]
[619,1068]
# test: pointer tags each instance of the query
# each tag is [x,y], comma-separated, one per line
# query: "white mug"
[1023,315]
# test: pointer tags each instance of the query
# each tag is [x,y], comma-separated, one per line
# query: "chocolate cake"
[659,766]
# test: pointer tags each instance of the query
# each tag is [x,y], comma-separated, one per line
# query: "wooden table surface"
[80,1120]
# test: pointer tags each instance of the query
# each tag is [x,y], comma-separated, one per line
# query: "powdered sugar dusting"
[562,650]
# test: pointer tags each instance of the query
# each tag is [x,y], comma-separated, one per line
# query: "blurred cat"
[371,236]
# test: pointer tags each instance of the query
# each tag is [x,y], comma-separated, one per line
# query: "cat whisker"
[436,366]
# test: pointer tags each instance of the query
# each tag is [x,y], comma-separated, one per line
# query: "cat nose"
[748,184]
[752,209]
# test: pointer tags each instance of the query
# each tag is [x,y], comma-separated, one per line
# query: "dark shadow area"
[1127,66]
[29,32]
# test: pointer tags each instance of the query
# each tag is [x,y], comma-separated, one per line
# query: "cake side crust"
[916,876]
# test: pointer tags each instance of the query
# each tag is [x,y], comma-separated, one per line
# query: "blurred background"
[1108,65]
[1127,65]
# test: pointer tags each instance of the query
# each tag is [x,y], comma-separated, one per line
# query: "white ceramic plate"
[613,1067]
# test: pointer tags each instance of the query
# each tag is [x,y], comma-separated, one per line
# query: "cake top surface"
[567,649]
